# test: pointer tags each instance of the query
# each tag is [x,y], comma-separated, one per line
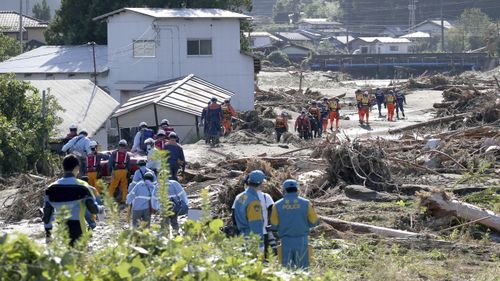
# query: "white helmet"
[161,132]
[143,124]
[122,142]
[93,144]
[149,141]
[73,127]
[165,122]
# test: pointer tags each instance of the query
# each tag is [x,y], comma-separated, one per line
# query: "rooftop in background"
[319,21]
[58,59]
[189,94]
[292,36]
[387,40]
[446,23]
[262,34]
[9,22]
[84,104]
[178,13]
[415,35]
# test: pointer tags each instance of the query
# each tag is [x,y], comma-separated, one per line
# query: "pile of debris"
[483,105]
[290,99]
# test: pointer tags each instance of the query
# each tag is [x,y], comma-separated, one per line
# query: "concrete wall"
[36,34]
[226,67]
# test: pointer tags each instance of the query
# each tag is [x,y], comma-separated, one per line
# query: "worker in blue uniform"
[380,98]
[292,217]
[248,209]
[400,102]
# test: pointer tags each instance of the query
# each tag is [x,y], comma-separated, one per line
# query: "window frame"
[134,55]
[199,54]
[394,48]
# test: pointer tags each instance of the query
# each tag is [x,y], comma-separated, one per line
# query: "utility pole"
[412,7]
[93,55]
[21,24]
[442,28]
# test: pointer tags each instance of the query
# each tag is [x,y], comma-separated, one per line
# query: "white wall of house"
[226,67]
[380,48]
[260,41]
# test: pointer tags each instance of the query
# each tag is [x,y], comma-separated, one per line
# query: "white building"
[380,45]
[262,39]
[147,45]
[433,27]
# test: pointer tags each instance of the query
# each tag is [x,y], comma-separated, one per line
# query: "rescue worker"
[153,161]
[303,125]
[72,194]
[179,199]
[204,123]
[228,113]
[292,217]
[325,114]
[143,198]
[94,159]
[365,109]
[400,102]
[72,133]
[314,132]
[334,113]
[143,134]
[359,95]
[314,110]
[380,99]
[176,158]
[161,139]
[248,209]
[80,147]
[214,121]
[390,101]
[119,164]
[165,126]
[281,125]
[90,218]
[140,172]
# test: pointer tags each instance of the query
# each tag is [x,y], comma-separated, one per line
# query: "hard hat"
[290,183]
[325,98]
[213,99]
[172,135]
[123,142]
[149,141]
[314,102]
[161,133]
[359,90]
[391,92]
[149,176]
[141,162]
[143,124]
[365,93]
[227,100]
[303,112]
[73,127]
[83,132]
[256,177]
[378,88]
[284,113]
[164,122]
[93,144]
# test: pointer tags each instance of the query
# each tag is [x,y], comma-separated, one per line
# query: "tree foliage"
[41,11]
[309,8]
[474,30]
[73,22]
[279,58]
[22,128]
[9,47]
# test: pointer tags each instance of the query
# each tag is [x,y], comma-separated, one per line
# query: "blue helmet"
[290,183]
[256,177]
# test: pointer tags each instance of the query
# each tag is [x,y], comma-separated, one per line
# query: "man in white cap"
[80,147]
[143,134]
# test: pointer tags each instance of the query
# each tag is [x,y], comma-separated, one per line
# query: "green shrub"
[279,58]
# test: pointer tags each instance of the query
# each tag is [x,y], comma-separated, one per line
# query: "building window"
[144,49]
[364,50]
[25,36]
[394,48]
[199,47]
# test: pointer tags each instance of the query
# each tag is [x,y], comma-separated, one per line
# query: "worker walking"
[390,101]
[143,134]
[359,96]
[73,194]
[143,198]
[80,147]
[119,164]
[365,109]
[292,217]
[380,99]
[161,139]
[178,198]
[153,162]
[228,113]
[303,125]
[334,113]
[214,122]
[281,125]
[140,172]
[94,159]
[176,158]
[324,114]
[400,102]
[247,207]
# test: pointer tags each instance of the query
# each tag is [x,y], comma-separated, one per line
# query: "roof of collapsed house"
[189,94]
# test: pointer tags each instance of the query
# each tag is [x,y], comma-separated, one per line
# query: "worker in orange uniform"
[303,125]
[390,101]
[228,113]
[364,109]
[325,114]
[315,111]
[94,166]
[119,163]
[359,96]
[334,113]
[281,125]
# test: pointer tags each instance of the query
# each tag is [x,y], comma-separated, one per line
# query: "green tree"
[455,40]
[73,22]
[41,11]
[477,27]
[24,129]
[9,47]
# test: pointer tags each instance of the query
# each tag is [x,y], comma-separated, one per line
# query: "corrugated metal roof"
[293,36]
[84,104]
[262,34]
[188,94]
[9,22]
[418,34]
[384,39]
[178,13]
[58,59]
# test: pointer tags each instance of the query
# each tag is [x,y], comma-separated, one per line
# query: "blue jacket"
[248,213]
[72,193]
[139,174]
[293,216]
[79,145]
[400,97]
[141,194]
[175,190]
[175,153]
[379,95]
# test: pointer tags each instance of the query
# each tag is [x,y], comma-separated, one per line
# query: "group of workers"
[391,99]
[217,120]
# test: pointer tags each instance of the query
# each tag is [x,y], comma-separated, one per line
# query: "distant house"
[417,36]
[296,53]
[380,45]
[318,24]
[161,44]
[293,37]
[314,36]
[32,28]
[339,42]
[83,104]
[433,27]
[263,8]
[13,5]
[262,39]
[181,100]
[58,63]
[393,31]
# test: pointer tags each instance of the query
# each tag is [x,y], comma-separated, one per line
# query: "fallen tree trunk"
[356,227]
[438,204]
[274,161]
[430,122]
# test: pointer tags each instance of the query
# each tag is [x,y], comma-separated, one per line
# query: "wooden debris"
[366,228]
[430,122]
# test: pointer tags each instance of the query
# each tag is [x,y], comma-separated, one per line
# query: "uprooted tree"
[24,128]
